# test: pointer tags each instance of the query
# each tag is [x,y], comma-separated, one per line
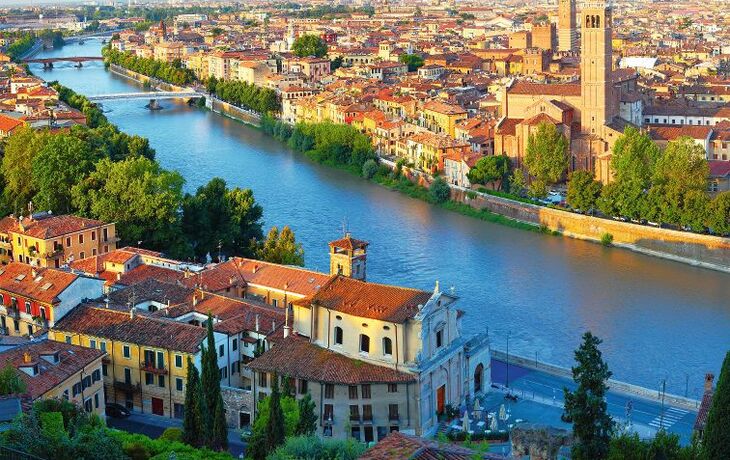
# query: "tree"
[307,423]
[413,61]
[583,191]
[210,85]
[490,169]
[192,421]
[141,197]
[315,448]
[214,428]
[439,191]
[10,381]
[517,182]
[281,248]
[275,433]
[718,214]
[17,164]
[309,45]
[547,154]
[586,406]
[716,437]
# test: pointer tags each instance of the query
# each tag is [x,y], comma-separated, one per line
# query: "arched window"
[364,343]
[338,335]
[598,22]
[387,346]
[588,21]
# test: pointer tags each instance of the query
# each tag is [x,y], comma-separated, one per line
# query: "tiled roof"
[399,446]
[544,89]
[45,286]
[8,124]
[704,410]
[53,226]
[72,360]
[669,133]
[296,357]
[369,300]
[444,108]
[145,272]
[152,290]
[141,330]
[719,168]
[348,243]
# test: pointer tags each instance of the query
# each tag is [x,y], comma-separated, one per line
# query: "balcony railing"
[127,386]
[151,368]
[56,253]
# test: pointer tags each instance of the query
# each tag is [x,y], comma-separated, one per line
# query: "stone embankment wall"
[614,385]
[706,251]
[230,110]
[141,78]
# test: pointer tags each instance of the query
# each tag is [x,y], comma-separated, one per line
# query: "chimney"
[119,276]
[26,357]
[709,378]
[195,300]
[131,313]
[286,322]
[273,326]
[257,322]
[255,267]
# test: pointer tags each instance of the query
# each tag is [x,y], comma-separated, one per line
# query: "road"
[154,425]
[541,400]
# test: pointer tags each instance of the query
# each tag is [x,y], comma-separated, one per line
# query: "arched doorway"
[478,377]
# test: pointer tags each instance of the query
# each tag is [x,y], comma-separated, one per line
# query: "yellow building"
[168,51]
[52,370]
[46,240]
[441,117]
[146,364]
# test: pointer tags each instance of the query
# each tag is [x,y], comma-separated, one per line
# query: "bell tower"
[348,257]
[595,66]
[566,25]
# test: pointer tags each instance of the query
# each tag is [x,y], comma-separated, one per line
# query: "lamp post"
[507,374]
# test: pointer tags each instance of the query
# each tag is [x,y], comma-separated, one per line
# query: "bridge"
[48,62]
[150,95]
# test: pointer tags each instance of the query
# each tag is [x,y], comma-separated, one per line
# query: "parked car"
[117,410]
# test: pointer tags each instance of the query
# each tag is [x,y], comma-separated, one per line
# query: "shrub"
[369,168]
[172,435]
[137,451]
[439,191]
[607,239]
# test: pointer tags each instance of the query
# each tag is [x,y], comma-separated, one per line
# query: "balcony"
[14,313]
[127,386]
[152,369]
[55,254]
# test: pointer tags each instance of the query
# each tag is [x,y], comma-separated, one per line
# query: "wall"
[232,111]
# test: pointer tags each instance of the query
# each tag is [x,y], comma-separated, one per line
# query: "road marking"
[671,416]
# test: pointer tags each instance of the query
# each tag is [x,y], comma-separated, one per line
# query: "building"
[442,117]
[33,299]
[399,446]
[375,358]
[705,405]
[46,240]
[567,40]
[52,370]
[147,359]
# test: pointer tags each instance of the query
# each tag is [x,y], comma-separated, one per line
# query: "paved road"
[541,400]
[154,425]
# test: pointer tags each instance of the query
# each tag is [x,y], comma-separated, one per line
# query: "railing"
[127,386]
[151,368]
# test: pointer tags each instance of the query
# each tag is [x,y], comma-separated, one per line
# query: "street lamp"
[507,374]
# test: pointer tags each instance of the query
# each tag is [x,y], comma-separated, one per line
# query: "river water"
[658,319]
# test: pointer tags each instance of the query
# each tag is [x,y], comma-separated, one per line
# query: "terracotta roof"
[296,357]
[8,124]
[719,168]
[52,226]
[152,290]
[545,89]
[369,300]
[704,410]
[444,108]
[668,133]
[111,324]
[44,286]
[399,446]
[73,359]
[348,243]
[145,272]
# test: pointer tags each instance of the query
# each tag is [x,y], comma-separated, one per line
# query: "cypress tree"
[275,433]
[211,387]
[307,423]
[716,438]
[220,429]
[586,407]
[192,423]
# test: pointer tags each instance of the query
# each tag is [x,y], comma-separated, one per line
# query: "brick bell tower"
[595,67]
[566,25]
[348,257]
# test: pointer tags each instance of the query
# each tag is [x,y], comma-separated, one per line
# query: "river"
[658,319]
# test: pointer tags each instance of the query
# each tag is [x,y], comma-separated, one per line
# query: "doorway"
[158,407]
[440,399]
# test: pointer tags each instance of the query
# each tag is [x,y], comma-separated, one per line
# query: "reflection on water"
[657,318]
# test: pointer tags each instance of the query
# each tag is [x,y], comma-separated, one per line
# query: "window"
[329,391]
[125,351]
[149,379]
[65,394]
[93,236]
[102,346]
[439,338]
[16,325]
[338,335]
[354,413]
[178,410]
[68,242]
[96,376]
[92,343]
[365,391]
[221,350]
[127,375]
[393,412]
[328,412]
[392,388]
[104,370]
[76,389]
[364,343]
[303,386]
[27,307]
[30,330]
[234,345]
[387,346]
[367,412]
[161,381]
[96,400]
[275,302]
[352,390]
[178,361]
[87,405]
[82,255]
[262,380]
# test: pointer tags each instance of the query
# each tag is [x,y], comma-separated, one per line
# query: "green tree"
[211,84]
[716,437]
[220,219]
[315,448]
[517,182]
[193,419]
[413,61]
[439,191]
[17,165]
[718,214]
[10,381]
[63,161]
[141,197]
[490,169]
[281,248]
[547,154]
[586,406]
[583,191]
[309,45]
[275,433]
[307,423]
[214,423]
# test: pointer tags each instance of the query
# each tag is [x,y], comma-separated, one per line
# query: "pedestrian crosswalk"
[671,416]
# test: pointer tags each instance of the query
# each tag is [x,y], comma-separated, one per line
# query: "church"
[592,113]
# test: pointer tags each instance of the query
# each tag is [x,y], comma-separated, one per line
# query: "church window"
[364,343]
[338,335]
[387,346]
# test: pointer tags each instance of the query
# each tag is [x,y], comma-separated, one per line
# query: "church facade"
[589,112]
